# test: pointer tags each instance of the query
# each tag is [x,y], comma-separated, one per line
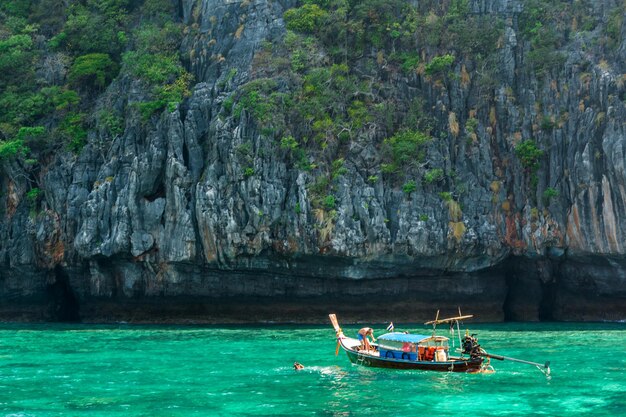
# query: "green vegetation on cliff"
[334,80]
[57,58]
[340,60]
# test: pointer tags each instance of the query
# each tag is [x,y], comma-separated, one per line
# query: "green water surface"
[76,370]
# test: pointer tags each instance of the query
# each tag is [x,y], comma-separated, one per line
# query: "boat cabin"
[413,347]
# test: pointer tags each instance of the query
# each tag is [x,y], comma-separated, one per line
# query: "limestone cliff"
[203,212]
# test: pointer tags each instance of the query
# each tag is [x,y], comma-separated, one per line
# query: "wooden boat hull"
[364,359]
[351,347]
[449,366]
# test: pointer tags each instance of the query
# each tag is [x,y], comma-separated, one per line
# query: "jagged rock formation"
[165,222]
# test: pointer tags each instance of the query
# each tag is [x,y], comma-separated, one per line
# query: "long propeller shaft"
[507,358]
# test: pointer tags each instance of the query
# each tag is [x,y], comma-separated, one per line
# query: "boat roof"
[403,337]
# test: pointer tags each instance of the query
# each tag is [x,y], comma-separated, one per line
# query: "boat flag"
[390,327]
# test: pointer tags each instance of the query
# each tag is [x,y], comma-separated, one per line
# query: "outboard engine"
[471,346]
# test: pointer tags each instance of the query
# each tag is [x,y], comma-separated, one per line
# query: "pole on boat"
[333,320]
[435,322]
[545,368]
[458,327]
[338,331]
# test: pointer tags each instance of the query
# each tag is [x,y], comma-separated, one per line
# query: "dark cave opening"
[65,306]
[546,305]
[531,289]
[511,280]
[185,154]
[159,193]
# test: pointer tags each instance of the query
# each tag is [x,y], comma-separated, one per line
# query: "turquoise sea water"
[77,370]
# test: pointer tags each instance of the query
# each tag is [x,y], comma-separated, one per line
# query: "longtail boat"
[403,350]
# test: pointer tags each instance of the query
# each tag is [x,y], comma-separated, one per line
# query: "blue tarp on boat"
[403,337]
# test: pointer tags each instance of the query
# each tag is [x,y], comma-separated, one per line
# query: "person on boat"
[362,336]
[298,366]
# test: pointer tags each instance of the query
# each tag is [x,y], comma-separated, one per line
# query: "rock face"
[200,216]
